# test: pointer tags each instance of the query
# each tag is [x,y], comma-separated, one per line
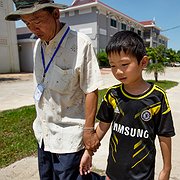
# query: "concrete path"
[16,93]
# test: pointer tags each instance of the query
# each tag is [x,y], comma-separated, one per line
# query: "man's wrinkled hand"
[91,140]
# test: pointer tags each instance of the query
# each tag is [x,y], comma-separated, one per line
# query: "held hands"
[86,163]
[90,138]
[91,143]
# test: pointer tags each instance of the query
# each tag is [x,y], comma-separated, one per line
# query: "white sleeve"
[90,75]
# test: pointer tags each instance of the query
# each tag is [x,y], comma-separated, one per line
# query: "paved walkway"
[16,93]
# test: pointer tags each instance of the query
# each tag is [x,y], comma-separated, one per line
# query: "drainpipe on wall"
[97,31]
[107,27]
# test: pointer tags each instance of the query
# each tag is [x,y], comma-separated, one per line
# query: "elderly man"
[66,77]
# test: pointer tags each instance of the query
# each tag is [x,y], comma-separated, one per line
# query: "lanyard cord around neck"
[56,50]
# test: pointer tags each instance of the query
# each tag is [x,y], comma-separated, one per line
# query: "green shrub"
[102,59]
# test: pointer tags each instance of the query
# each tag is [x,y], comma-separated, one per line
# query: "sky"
[165,12]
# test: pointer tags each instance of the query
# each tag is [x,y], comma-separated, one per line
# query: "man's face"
[42,24]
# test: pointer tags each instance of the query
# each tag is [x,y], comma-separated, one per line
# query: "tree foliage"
[157,58]
[102,59]
[172,56]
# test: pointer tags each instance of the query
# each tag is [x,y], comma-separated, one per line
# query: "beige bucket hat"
[31,6]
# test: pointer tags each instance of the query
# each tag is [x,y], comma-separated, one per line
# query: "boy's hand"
[164,175]
[86,163]
[91,140]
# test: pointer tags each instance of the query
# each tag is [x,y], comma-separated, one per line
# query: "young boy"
[137,111]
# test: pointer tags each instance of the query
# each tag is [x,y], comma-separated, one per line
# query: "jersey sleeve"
[106,111]
[165,125]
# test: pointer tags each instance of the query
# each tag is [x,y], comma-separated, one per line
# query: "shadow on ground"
[9,79]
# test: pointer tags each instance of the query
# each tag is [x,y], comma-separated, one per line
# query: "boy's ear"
[144,61]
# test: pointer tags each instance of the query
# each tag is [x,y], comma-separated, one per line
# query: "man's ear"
[144,62]
[56,13]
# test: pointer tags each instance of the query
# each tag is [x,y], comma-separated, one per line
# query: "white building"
[100,22]
[9,61]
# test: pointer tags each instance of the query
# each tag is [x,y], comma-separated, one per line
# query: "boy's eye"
[124,64]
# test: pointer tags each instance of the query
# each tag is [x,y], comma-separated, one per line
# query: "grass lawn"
[16,135]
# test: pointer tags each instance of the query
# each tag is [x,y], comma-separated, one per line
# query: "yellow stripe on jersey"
[113,144]
[137,144]
[139,151]
[110,98]
[112,101]
[137,98]
[112,153]
[117,107]
[121,111]
[116,139]
[115,147]
[113,87]
[140,160]
[155,110]
[165,97]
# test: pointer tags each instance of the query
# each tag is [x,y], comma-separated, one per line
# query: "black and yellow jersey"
[136,120]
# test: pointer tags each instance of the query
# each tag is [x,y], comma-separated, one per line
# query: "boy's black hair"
[129,42]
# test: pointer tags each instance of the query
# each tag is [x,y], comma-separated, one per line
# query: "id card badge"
[38,92]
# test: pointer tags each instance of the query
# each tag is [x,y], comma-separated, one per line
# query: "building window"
[3,41]
[62,14]
[123,26]
[1,3]
[113,23]
[85,11]
[103,31]
[147,34]
[132,29]
[139,32]
[86,30]
[71,13]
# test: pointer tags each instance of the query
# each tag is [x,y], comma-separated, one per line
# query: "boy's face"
[125,67]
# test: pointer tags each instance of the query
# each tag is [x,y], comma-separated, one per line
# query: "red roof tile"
[150,22]
[81,2]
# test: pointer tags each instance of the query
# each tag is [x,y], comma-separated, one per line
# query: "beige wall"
[26,47]
[9,61]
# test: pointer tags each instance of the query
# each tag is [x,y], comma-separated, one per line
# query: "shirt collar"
[57,38]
